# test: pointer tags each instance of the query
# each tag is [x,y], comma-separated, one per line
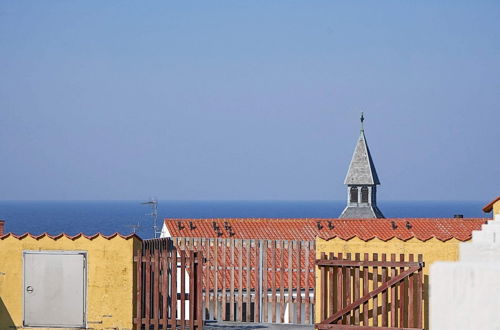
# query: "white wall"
[465,295]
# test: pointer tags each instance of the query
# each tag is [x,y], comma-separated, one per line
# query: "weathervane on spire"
[362,119]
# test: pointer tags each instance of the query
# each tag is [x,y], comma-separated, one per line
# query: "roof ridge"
[309,228]
[71,237]
[319,219]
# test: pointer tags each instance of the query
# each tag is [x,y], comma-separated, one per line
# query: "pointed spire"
[361,181]
[361,170]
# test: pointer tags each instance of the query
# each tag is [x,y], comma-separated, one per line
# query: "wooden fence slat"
[339,292]
[216,279]
[156,293]
[224,279]
[420,283]
[248,278]
[265,267]
[401,296]
[165,260]
[273,281]
[357,257]
[365,291]
[208,275]
[375,285]
[192,307]
[410,298]
[326,292]
[258,266]
[173,290]
[282,281]
[298,300]
[347,289]
[290,281]
[328,287]
[199,274]
[308,274]
[313,253]
[183,289]
[394,297]
[231,283]
[240,281]
[384,294]
[147,301]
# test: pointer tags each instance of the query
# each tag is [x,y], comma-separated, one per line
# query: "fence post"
[199,296]
[260,265]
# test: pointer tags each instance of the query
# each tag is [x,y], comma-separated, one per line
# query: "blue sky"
[248,100]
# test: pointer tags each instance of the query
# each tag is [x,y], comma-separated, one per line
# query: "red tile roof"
[245,228]
[71,237]
[422,229]
[489,206]
[307,229]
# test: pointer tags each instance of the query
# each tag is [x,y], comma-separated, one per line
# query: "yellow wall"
[432,250]
[496,208]
[110,278]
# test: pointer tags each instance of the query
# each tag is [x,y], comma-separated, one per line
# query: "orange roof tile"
[307,229]
[245,228]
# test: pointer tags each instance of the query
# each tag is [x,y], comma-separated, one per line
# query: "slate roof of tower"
[361,212]
[361,170]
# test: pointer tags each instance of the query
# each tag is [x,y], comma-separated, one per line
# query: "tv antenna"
[154,215]
[135,227]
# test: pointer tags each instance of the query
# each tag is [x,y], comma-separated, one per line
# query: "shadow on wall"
[5,319]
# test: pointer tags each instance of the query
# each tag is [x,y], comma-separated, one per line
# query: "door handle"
[29,289]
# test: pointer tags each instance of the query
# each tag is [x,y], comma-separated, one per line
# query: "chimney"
[1,227]
[458,216]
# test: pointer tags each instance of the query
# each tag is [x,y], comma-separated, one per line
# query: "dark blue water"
[119,216]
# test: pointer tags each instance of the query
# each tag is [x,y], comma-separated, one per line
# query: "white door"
[54,288]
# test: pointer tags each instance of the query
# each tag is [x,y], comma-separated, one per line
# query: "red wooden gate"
[167,280]
[370,293]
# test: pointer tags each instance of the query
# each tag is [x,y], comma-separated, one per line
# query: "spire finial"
[362,119]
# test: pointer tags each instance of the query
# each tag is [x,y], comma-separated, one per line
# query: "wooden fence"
[168,280]
[372,292]
[256,280]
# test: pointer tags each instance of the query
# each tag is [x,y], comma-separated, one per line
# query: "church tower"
[361,181]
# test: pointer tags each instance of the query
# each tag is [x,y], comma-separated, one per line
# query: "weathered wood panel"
[157,295]
[346,309]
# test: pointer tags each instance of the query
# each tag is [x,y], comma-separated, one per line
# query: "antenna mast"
[154,215]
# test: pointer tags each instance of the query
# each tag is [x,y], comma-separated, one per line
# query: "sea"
[125,217]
